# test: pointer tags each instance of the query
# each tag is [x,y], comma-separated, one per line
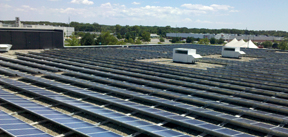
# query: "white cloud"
[187,20]
[136,3]
[233,11]
[115,12]
[54,0]
[87,2]
[203,21]
[6,6]
[197,7]
[213,7]
[26,8]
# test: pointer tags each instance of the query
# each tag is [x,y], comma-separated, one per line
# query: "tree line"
[136,30]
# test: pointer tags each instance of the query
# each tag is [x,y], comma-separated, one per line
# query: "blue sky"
[212,14]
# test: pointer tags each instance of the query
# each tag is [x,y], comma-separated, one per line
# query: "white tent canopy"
[250,44]
[241,43]
[232,42]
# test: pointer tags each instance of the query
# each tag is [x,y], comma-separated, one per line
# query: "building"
[186,35]
[227,37]
[154,36]
[254,38]
[67,30]
[31,38]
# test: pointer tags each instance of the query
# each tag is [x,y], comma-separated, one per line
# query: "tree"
[161,39]
[204,41]
[267,44]
[127,36]
[283,45]
[212,41]
[138,41]
[119,36]
[73,41]
[118,28]
[275,45]
[131,40]
[87,39]
[146,36]
[220,41]
[189,40]
[175,40]
[106,39]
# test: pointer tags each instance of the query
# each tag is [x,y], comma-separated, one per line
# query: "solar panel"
[227,132]
[210,126]
[48,112]
[165,69]
[16,127]
[195,109]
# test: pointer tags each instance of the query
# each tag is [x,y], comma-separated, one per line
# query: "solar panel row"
[187,90]
[99,111]
[16,127]
[82,127]
[175,104]
[164,68]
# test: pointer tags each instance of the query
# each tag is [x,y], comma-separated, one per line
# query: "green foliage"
[275,45]
[176,40]
[220,41]
[121,42]
[73,41]
[118,28]
[212,41]
[152,29]
[283,45]
[80,34]
[159,43]
[146,36]
[87,39]
[127,36]
[161,39]
[131,41]
[267,44]
[138,41]
[106,39]
[119,36]
[204,41]
[190,40]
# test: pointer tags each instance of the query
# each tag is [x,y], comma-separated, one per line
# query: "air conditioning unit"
[232,52]
[5,47]
[185,55]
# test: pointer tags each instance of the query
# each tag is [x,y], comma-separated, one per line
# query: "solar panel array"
[145,99]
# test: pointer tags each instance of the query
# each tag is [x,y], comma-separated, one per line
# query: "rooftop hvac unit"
[232,52]
[185,55]
[5,47]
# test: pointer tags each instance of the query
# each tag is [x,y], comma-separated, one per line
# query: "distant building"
[226,37]
[186,35]
[67,30]
[154,36]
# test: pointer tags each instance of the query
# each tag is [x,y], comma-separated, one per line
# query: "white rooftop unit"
[185,55]
[5,47]
[232,52]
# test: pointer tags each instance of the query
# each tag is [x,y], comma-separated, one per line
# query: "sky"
[212,14]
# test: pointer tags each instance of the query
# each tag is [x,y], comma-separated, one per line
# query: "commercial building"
[31,38]
[227,37]
[67,30]
[186,35]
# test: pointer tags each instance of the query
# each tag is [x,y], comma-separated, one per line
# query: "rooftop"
[113,92]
